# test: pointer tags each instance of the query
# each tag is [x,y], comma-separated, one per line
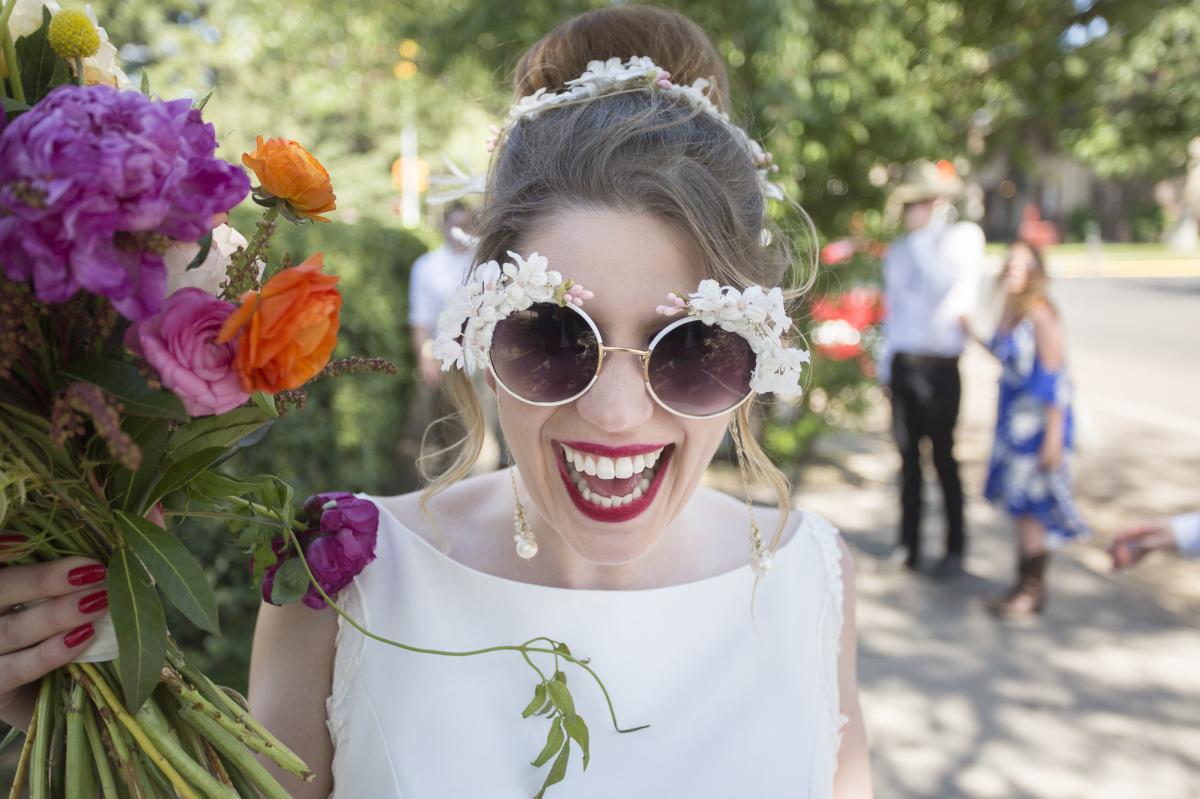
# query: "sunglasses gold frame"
[643,356]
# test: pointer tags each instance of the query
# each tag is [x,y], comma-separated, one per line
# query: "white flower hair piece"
[493,292]
[612,77]
[758,316]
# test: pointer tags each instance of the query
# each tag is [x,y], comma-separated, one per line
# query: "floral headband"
[495,291]
[603,78]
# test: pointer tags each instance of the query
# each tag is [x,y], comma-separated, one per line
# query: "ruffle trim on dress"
[826,537]
[348,650]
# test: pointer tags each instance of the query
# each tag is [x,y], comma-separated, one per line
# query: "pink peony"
[180,342]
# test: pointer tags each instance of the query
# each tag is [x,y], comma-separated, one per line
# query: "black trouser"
[925,397]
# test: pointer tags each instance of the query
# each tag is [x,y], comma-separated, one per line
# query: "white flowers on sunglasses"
[759,317]
[495,291]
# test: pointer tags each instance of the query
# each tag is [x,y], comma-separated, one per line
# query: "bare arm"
[853,779]
[291,671]
[1051,347]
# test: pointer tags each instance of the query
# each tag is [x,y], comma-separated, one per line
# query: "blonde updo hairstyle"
[638,151]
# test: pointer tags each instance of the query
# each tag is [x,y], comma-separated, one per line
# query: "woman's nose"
[618,401]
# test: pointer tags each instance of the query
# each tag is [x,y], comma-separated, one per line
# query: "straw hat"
[924,180]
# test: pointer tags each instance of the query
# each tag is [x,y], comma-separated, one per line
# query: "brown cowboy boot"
[1028,596]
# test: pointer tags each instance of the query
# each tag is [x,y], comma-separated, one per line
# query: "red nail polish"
[86,575]
[78,636]
[94,603]
[8,540]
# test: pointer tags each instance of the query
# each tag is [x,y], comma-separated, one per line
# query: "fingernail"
[8,540]
[78,636]
[86,575]
[94,603]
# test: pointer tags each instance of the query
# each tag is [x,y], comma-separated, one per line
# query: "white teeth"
[644,485]
[589,465]
[639,463]
[623,467]
[605,468]
[577,459]
[604,502]
[637,492]
[652,458]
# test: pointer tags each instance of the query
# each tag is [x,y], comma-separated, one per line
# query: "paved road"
[1098,699]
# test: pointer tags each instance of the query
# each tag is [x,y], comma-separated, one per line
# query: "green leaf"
[176,571]
[538,701]
[558,770]
[562,649]
[217,485]
[145,87]
[291,582]
[554,741]
[578,730]
[13,107]
[264,556]
[124,382]
[267,403]
[561,697]
[203,101]
[205,245]
[226,430]
[182,472]
[141,627]
[131,489]
[41,68]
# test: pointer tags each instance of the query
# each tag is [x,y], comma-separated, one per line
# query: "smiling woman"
[627,307]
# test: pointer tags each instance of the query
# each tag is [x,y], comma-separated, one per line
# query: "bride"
[628,324]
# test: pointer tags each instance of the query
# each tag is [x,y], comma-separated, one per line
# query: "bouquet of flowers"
[143,342]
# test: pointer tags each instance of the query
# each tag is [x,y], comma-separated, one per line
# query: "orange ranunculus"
[286,331]
[288,171]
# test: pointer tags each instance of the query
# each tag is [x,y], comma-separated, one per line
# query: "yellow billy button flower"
[72,35]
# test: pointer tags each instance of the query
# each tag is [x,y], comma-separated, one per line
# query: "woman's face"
[1016,270]
[630,261]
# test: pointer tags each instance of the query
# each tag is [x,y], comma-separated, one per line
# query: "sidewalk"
[1100,698]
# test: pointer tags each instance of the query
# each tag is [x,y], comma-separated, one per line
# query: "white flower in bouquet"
[103,66]
[27,16]
[211,272]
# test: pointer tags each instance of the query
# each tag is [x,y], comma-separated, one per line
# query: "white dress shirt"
[1186,529]
[435,276]
[930,281]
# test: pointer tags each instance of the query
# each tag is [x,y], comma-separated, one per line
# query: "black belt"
[927,360]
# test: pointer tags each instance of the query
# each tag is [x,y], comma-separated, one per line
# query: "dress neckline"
[692,585]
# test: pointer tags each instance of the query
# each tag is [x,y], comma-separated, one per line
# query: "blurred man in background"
[931,279]
[435,276]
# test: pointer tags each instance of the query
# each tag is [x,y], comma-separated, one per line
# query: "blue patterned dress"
[1015,480]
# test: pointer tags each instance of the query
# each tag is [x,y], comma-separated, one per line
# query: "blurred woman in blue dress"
[1028,472]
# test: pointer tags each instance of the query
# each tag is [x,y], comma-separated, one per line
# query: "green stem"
[509,648]
[10,53]
[108,783]
[23,761]
[240,725]
[39,779]
[79,781]
[238,756]
[79,72]
[92,677]
[156,727]
[114,738]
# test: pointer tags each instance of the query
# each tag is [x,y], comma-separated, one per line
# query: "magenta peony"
[338,545]
[180,342]
[95,184]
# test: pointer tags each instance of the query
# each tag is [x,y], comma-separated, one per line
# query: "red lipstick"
[625,512]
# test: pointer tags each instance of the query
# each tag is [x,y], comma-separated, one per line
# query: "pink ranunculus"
[180,342]
[836,252]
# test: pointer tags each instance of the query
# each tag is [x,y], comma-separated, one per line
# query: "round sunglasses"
[550,355]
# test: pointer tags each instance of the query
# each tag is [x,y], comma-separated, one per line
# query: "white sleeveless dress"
[737,708]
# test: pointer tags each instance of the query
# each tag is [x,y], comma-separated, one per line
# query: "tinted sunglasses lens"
[701,370]
[545,353]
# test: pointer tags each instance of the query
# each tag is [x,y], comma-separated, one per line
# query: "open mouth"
[612,484]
